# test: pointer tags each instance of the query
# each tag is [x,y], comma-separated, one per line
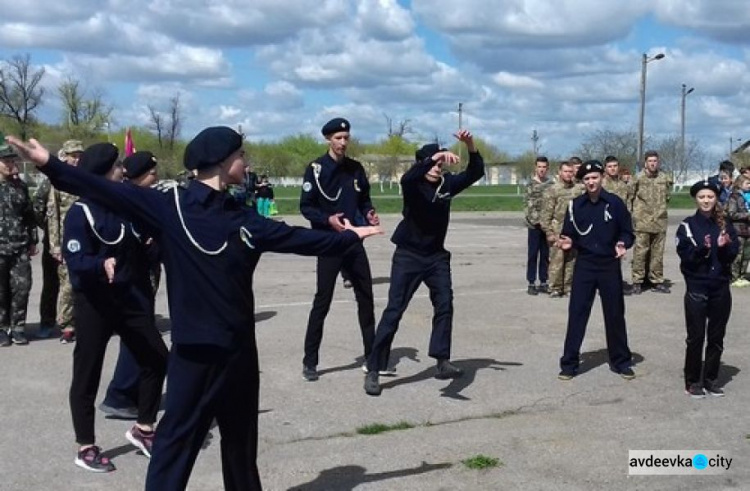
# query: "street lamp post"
[731,145]
[645,61]
[685,92]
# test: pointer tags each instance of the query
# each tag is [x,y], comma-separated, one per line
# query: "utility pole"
[685,92]
[460,115]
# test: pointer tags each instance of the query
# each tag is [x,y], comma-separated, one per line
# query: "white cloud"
[384,19]
[513,81]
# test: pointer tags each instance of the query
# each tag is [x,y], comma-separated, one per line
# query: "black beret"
[137,164]
[700,185]
[588,167]
[427,151]
[98,158]
[334,126]
[211,147]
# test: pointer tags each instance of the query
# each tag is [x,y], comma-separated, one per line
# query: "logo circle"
[700,461]
[307,186]
[74,245]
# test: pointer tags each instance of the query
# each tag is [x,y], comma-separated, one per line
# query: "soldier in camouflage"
[58,205]
[612,181]
[651,190]
[538,249]
[50,280]
[18,238]
[555,203]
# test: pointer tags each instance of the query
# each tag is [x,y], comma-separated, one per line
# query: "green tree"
[20,92]
[84,115]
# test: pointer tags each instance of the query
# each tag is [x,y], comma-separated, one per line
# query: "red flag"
[129,145]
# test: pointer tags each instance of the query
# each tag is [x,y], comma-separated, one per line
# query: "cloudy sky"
[278,67]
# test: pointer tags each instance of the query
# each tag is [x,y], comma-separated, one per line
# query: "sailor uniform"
[595,229]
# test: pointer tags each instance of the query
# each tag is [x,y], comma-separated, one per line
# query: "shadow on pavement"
[454,388]
[348,477]
[593,359]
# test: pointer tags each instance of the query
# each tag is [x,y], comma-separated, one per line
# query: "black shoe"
[18,337]
[531,290]
[556,294]
[695,391]
[713,390]
[4,339]
[310,373]
[661,288]
[627,374]
[635,289]
[372,385]
[566,375]
[119,412]
[543,288]
[446,370]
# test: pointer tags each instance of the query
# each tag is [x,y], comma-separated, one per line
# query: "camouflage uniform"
[619,188]
[58,205]
[538,250]
[650,195]
[17,235]
[556,200]
[50,279]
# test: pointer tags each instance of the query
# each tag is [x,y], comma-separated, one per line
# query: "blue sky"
[563,67]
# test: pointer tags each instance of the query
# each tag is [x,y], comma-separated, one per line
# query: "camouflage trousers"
[739,266]
[50,289]
[648,257]
[65,299]
[15,285]
[561,264]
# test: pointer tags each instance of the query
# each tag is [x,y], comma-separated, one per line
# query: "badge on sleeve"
[73,245]
[306,186]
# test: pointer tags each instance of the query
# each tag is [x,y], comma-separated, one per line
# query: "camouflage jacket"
[555,203]
[58,205]
[17,225]
[650,196]
[737,212]
[39,203]
[534,200]
[619,188]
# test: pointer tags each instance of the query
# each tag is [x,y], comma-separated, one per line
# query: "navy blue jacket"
[427,205]
[92,234]
[210,290]
[596,228]
[330,187]
[705,269]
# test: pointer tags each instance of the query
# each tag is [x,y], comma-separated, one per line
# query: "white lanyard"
[90,219]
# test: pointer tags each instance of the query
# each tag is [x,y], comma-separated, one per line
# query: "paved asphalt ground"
[547,434]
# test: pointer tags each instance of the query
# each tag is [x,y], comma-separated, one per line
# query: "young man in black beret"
[598,225]
[335,188]
[212,245]
[420,255]
[121,399]
[111,293]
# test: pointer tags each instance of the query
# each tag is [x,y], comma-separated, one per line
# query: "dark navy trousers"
[408,271]
[354,261]
[538,256]
[706,317]
[122,391]
[605,276]
[206,383]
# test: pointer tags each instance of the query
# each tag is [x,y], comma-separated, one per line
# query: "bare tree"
[84,117]
[621,144]
[157,124]
[167,127]
[20,92]
[403,127]
[175,120]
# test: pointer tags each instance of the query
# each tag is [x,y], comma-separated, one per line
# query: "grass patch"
[377,428]
[479,462]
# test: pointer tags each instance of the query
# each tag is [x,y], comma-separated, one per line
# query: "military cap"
[137,164]
[5,149]
[427,151]
[334,126]
[588,167]
[98,158]
[705,184]
[211,147]
[72,146]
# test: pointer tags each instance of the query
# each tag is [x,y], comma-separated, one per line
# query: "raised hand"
[31,150]
[723,239]
[466,137]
